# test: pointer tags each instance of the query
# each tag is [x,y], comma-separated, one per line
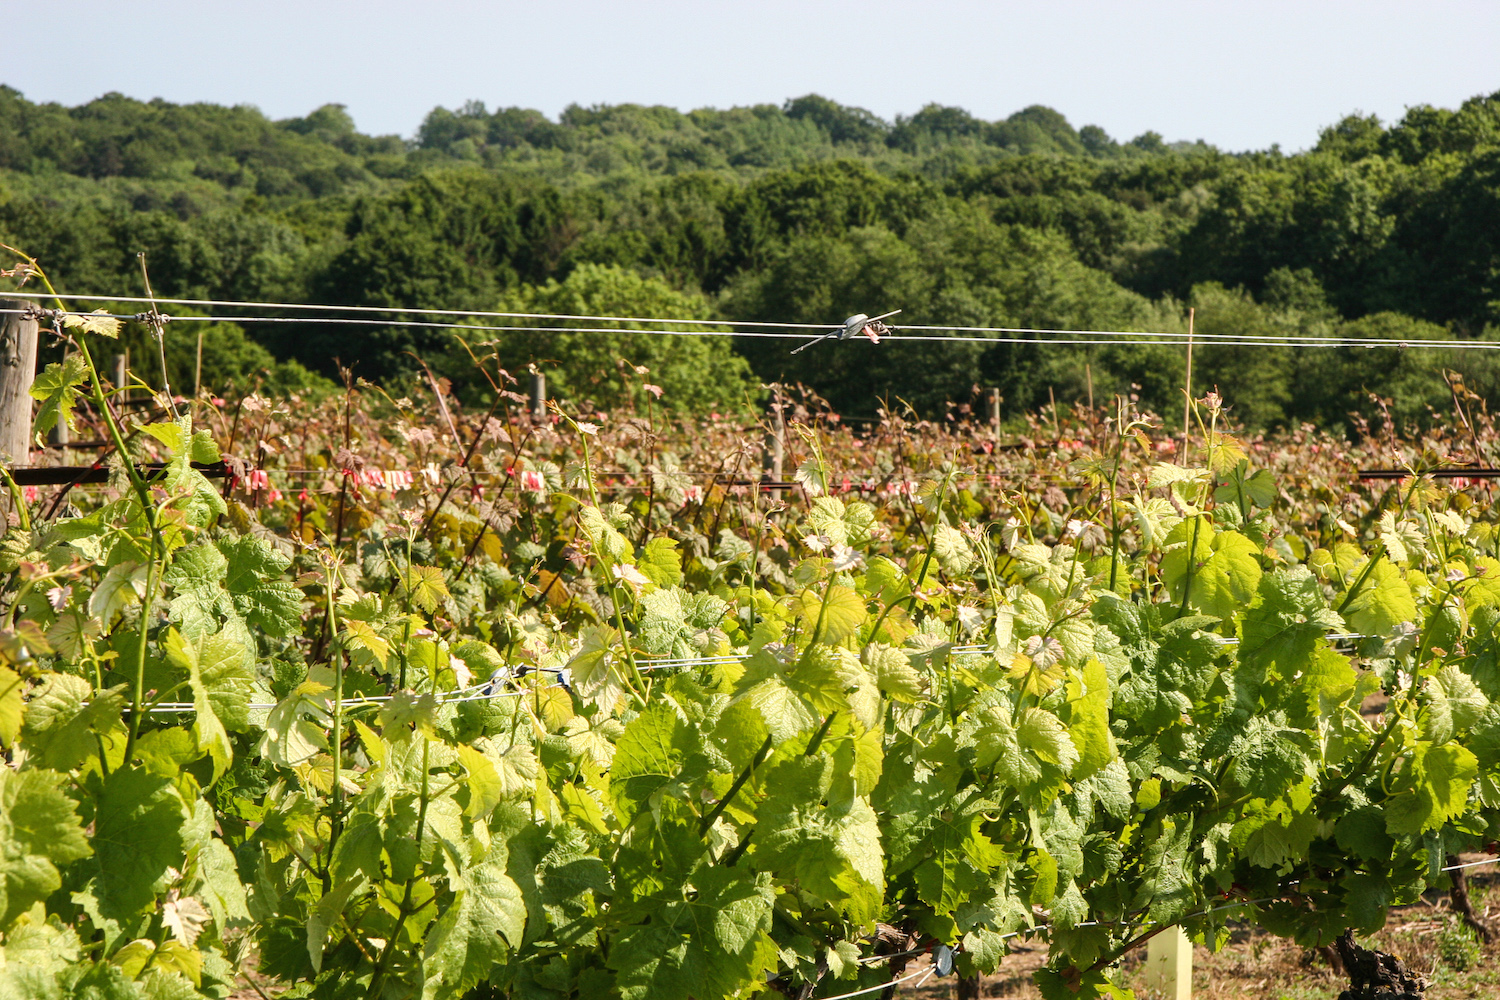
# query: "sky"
[1240,75]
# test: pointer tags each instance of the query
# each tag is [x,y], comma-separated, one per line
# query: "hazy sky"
[1241,75]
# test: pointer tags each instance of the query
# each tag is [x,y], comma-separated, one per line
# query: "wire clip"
[853,327]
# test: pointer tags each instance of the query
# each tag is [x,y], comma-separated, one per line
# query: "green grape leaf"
[959,858]
[1088,725]
[782,709]
[65,718]
[812,476]
[672,618]
[1267,757]
[841,524]
[233,585]
[608,542]
[842,616]
[1326,682]
[138,835]
[648,756]
[325,914]
[1384,602]
[39,831]
[359,635]
[470,937]
[711,945]
[597,678]
[894,674]
[952,550]
[57,390]
[97,322]
[1286,622]
[884,581]
[1221,575]
[1043,868]
[1258,489]
[1044,735]
[221,885]
[1167,889]
[290,737]
[1070,984]
[424,586]
[660,561]
[1367,897]
[122,585]
[220,677]
[834,853]
[11,688]
[1443,777]
[1362,833]
[1462,702]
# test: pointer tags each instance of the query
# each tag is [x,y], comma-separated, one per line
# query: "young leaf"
[57,390]
[98,322]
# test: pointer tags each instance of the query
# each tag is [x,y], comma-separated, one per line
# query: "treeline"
[806,212]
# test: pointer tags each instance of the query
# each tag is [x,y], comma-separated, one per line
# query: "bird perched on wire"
[853,327]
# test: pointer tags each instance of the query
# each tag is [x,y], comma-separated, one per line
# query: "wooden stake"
[995,413]
[121,366]
[538,396]
[18,333]
[1187,403]
[198,367]
[773,447]
[1056,427]
[1088,375]
[1169,964]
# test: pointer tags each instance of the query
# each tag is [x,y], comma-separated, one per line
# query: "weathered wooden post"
[773,449]
[994,405]
[18,333]
[1169,964]
[538,396]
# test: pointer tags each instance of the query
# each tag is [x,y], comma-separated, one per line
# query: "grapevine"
[508,712]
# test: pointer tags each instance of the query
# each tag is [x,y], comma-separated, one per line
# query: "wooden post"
[1088,374]
[994,413]
[1187,402]
[17,368]
[773,449]
[538,396]
[121,367]
[198,368]
[1169,964]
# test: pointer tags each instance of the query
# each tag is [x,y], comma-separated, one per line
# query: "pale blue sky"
[1242,75]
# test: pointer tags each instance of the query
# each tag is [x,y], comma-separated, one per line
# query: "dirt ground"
[1257,966]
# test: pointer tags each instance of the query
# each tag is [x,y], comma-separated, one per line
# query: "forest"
[806,212]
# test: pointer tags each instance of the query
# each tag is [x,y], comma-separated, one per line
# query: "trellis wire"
[1163,338]
[486,691]
[926,974]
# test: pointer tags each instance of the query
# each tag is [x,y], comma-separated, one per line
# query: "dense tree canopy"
[805,212]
